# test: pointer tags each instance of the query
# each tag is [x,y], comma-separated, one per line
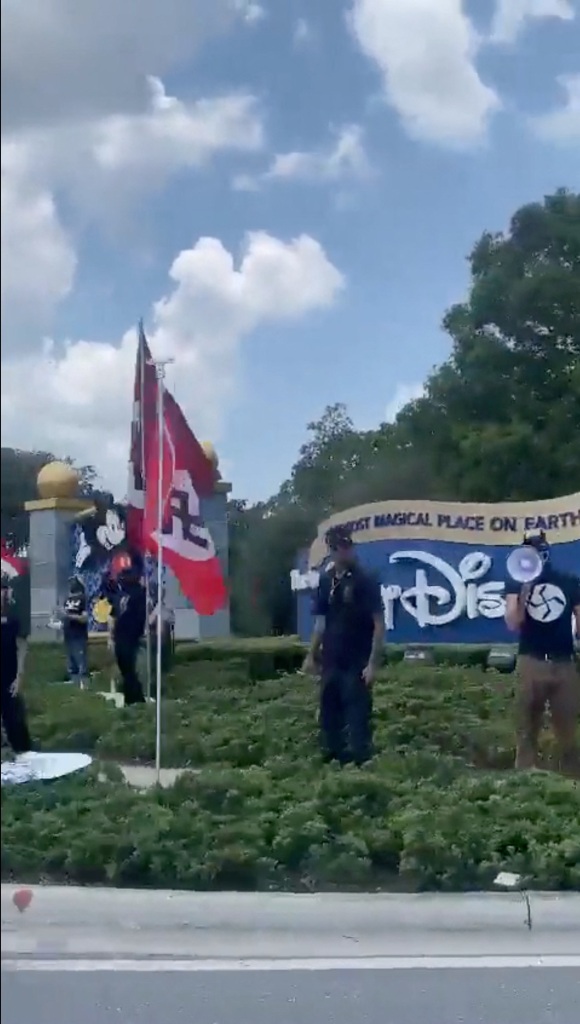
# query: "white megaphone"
[525,564]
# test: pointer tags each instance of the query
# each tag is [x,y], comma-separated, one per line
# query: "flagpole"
[144,481]
[159,365]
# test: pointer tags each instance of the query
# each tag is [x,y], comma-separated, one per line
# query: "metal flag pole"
[144,481]
[159,365]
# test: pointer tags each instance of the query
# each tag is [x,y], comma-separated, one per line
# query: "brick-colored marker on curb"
[22,899]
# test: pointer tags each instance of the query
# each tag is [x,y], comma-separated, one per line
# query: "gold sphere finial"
[210,453]
[57,480]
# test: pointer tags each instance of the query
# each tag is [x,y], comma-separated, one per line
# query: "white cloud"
[66,60]
[86,386]
[38,257]
[511,17]
[303,32]
[173,134]
[113,158]
[249,11]
[562,125]
[103,166]
[404,393]
[425,52]
[344,160]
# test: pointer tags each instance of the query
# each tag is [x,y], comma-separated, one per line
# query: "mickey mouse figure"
[98,536]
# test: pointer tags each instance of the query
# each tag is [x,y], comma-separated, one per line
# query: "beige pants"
[556,685]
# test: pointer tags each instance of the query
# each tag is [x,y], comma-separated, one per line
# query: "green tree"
[501,417]
[20,470]
[499,420]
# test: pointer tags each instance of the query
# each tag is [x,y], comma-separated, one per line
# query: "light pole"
[160,365]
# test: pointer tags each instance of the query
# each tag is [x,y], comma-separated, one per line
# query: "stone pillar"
[49,557]
[186,618]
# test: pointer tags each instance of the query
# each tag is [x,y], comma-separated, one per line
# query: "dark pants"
[126,652]
[14,719]
[346,707]
[77,658]
[554,685]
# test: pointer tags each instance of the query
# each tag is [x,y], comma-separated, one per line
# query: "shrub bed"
[438,808]
[264,658]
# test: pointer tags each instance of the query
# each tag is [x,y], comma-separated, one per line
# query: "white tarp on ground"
[40,767]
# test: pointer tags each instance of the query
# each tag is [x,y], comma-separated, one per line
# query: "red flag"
[151,519]
[143,423]
[188,548]
[12,565]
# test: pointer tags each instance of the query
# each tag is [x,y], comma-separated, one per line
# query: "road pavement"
[470,996]
[116,957]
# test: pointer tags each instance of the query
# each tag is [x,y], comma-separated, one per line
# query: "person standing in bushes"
[542,612]
[348,637]
[127,626]
[14,645]
[75,630]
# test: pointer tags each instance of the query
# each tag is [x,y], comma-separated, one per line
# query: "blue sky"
[393,222]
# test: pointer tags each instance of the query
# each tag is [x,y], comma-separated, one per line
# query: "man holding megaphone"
[542,604]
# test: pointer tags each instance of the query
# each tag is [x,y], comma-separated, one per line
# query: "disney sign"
[465,593]
[462,592]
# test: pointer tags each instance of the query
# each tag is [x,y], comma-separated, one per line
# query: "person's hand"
[369,674]
[309,666]
[15,687]
[525,593]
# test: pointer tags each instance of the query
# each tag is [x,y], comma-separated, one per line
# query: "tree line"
[499,420]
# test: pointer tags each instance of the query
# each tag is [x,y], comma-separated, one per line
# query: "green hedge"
[438,808]
[263,658]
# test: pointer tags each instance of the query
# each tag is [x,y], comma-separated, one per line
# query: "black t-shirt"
[11,634]
[547,627]
[75,604]
[130,613]
[348,602]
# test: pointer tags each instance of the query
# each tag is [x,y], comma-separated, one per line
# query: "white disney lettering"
[304,580]
[465,594]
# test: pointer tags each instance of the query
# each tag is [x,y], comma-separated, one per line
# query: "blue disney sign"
[437,589]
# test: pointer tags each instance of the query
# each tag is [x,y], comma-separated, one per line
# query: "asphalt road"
[465,996]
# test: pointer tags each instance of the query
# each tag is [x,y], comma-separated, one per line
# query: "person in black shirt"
[75,629]
[542,612]
[129,613]
[12,667]
[348,634]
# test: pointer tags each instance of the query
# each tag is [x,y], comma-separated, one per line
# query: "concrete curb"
[105,923]
[65,907]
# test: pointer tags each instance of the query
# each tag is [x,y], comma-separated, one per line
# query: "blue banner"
[439,590]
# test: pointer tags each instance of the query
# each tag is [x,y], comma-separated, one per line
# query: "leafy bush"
[438,808]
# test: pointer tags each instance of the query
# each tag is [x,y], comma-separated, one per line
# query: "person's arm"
[111,628]
[515,607]
[576,609]
[320,612]
[22,650]
[378,615]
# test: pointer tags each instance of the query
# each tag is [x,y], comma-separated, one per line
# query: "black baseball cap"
[339,537]
[537,539]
